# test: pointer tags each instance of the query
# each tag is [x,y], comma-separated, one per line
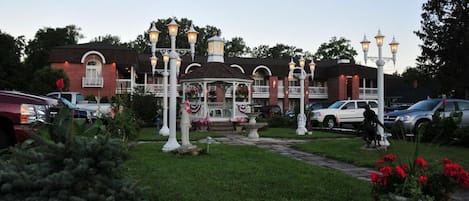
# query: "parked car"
[18,111]
[396,107]
[423,111]
[78,100]
[268,110]
[344,111]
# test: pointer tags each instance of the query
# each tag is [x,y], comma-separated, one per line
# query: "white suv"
[344,111]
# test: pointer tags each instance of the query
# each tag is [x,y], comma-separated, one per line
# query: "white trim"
[237,66]
[264,67]
[189,67]
[93,52]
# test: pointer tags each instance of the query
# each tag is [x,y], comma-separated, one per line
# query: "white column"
[205,101]
[233,115]
[380,76]
[164,129]
[172,143]
[301,130]
[146,83]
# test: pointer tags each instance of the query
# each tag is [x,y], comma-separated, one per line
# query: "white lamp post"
[301,130]
[380,61]
[174,59]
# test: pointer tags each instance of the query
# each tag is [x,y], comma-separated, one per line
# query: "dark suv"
[17,112]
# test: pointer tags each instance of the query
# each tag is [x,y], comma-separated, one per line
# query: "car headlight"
[316,114]
[404,118]
[30,113]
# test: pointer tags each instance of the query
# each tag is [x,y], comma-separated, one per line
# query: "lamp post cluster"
[380,61]
[174,64]
[301,118]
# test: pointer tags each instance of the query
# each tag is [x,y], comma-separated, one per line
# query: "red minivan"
[17,112]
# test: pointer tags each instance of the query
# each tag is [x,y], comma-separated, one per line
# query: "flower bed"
[418,180]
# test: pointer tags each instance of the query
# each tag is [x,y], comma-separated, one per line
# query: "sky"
[304,24]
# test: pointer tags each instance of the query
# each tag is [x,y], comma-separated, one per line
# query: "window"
[349,106]
[361,104]
[463,105]
[373,104]
[93,69]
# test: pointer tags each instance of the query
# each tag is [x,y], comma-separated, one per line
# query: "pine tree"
[445,36]
[75,162]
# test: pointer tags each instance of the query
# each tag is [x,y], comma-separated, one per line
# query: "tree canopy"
[336,48]
[445,36]
[10,63]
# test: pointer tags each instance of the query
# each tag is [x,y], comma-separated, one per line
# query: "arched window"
[93,75]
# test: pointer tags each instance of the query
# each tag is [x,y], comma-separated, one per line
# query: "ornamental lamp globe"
[192,35]
[153,33]
[379,39]
[173,28]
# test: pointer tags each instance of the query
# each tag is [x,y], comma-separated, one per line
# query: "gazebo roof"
[215,71]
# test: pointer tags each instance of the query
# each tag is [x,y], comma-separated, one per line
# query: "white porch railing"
[123,86]
[260,91]
[368,93]
[92,82]
[318,92]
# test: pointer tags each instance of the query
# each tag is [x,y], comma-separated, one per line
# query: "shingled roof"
[215,70]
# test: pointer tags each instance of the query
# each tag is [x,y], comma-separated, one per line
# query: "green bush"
[441,130]
[122,124]
[281,121]
[65,164]
[145,108]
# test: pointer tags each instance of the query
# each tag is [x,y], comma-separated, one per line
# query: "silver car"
[422,112]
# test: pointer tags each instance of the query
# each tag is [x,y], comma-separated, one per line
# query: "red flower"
[60,84]
[452,169]
[420,162]
[400,171]
[447,161]
[374,177]
[386,170]
[423,179]
[404,166]
[389,157]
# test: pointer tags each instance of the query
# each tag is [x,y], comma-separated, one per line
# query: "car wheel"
[329,122]
[419,125]
[4,140]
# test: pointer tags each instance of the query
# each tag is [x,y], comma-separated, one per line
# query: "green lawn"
[349,150]
[291,133]
[237,173]
[149,134]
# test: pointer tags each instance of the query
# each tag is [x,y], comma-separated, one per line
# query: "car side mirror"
[440,110]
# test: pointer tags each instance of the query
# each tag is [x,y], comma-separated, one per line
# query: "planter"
[239,128]
[394,197]
[203,128]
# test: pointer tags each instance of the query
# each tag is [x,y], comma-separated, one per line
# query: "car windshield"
[67,103]
[425,105]
[336,105]
[80,98]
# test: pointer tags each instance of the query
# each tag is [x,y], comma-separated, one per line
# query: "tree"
[261,51]
[236,47]
[38,49]
[44,79]
[279,51]
[335,49]
[445,36]
[108,39]
[10,54]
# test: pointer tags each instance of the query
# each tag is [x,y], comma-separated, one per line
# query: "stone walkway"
[283,147]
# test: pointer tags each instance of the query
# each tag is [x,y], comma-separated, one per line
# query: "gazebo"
[216,91]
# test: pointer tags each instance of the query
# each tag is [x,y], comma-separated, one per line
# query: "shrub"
[441,129]
[280,121]
[145,108]
[66,164]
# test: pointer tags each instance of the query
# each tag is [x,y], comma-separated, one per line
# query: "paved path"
[282,146]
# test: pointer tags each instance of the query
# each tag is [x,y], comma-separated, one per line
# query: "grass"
[149,134]
[237,173]
[291,133]
[349,150]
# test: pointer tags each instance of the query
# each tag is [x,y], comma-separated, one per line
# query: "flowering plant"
[192,92]
[418,180]
[242,91]
[204,122]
